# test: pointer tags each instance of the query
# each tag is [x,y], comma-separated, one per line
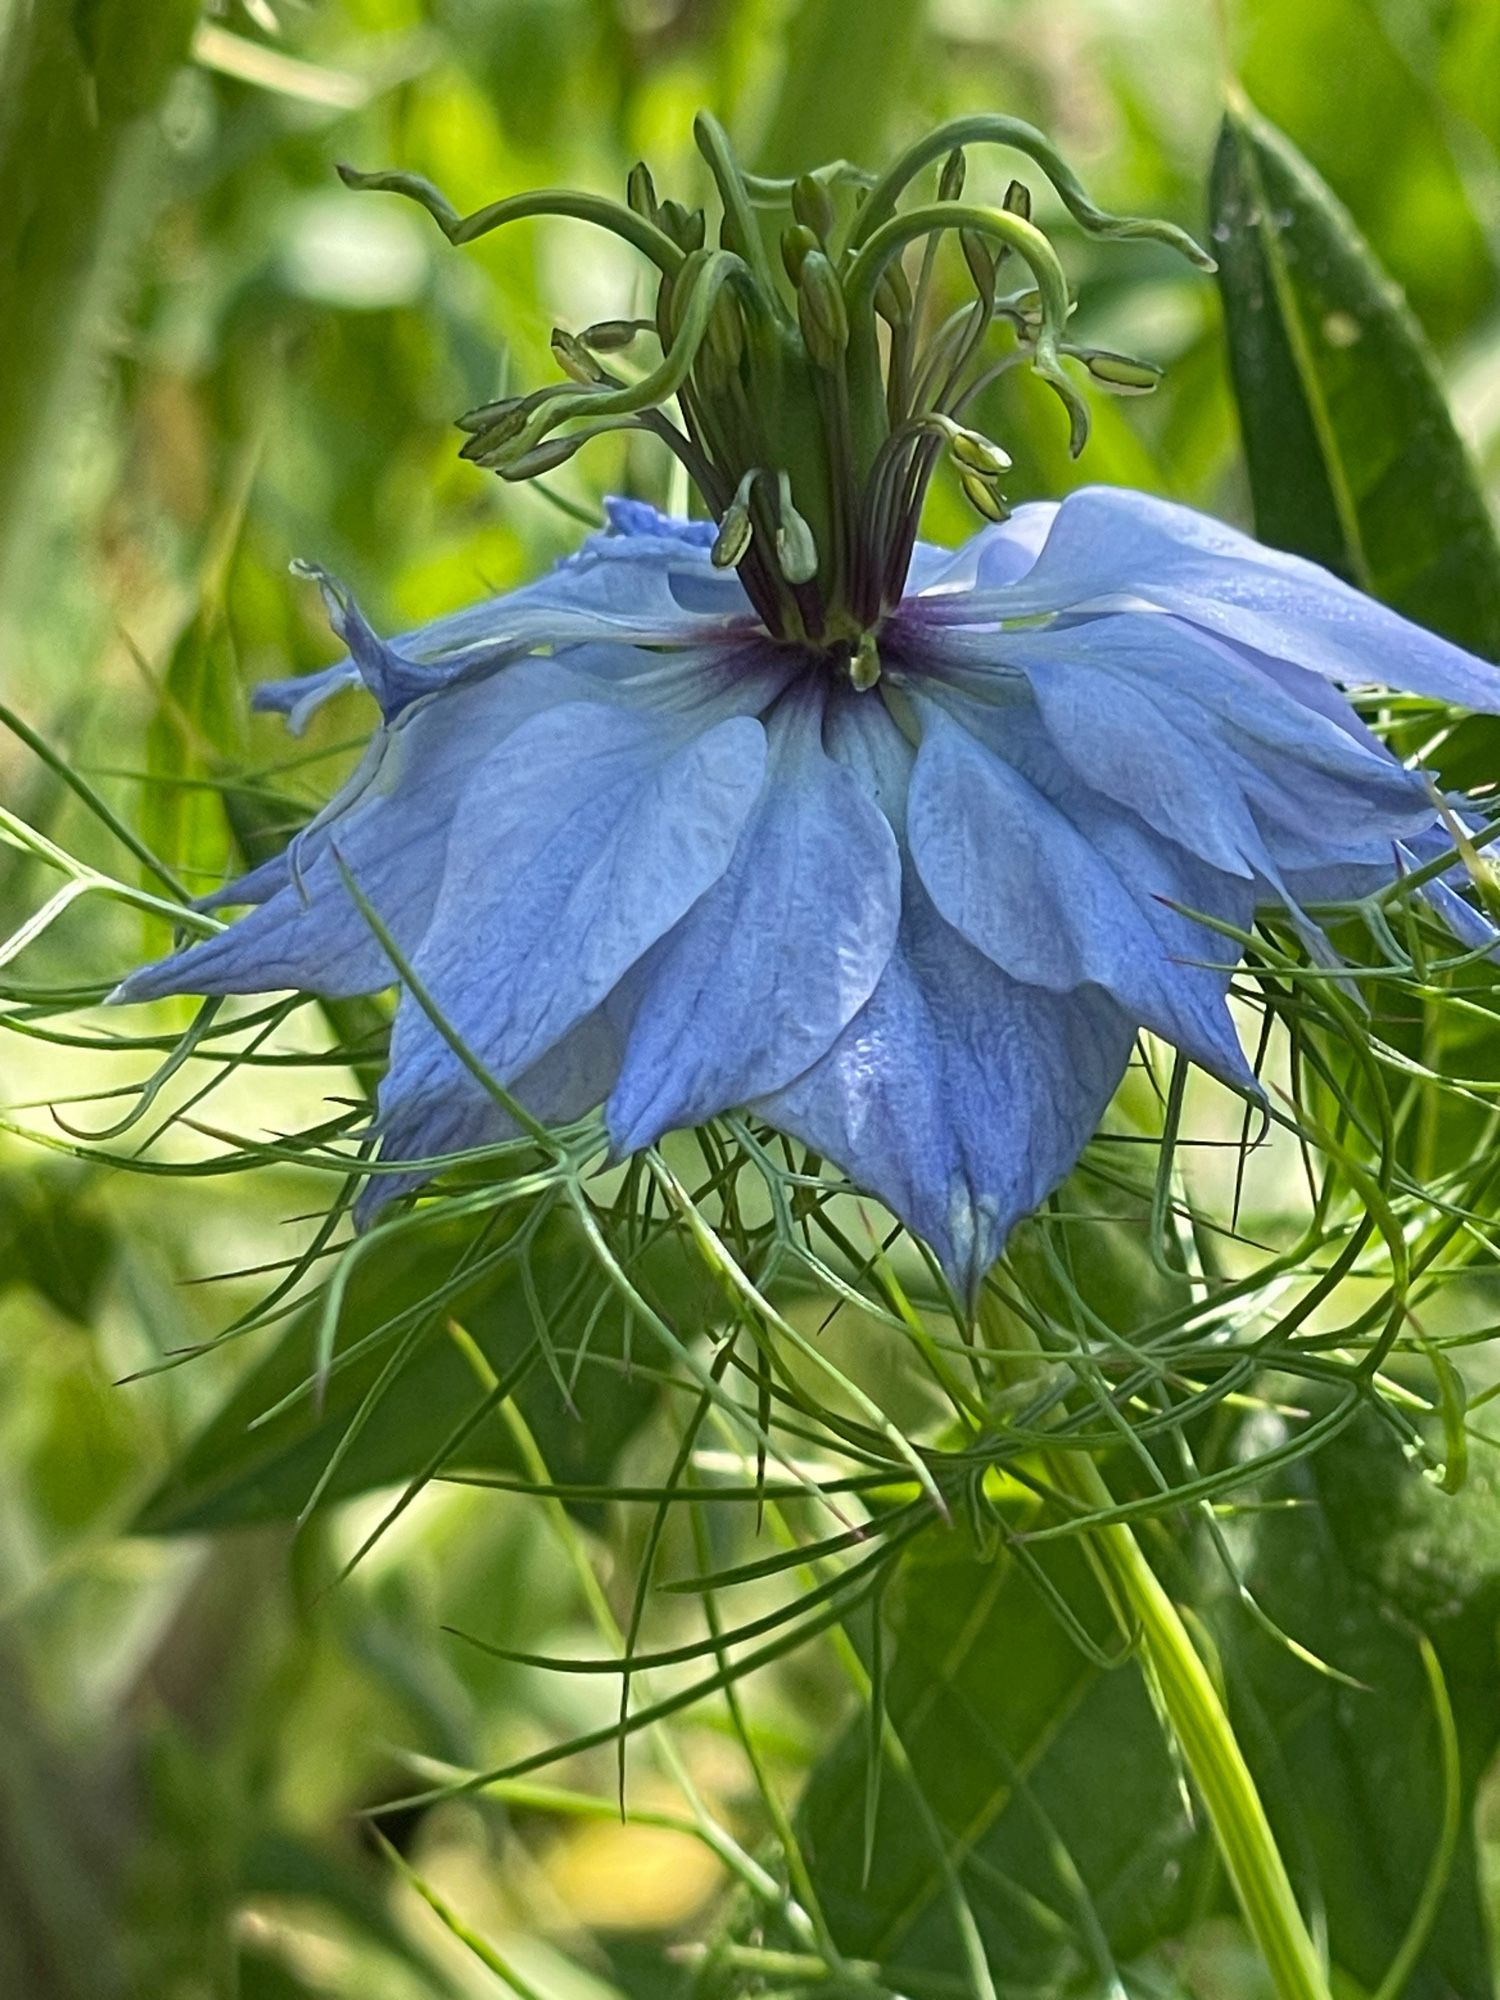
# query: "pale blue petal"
[1110,547]
[1207,747]
[999,554]
[300,696]
[572,1079]
[578,843]
[643,521]
[755,982]
[257,885]
[1046,902]
[391,823]
[957,1095]
[622,587]
[1136,752]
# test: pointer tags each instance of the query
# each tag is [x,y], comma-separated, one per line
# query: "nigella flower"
[898,847]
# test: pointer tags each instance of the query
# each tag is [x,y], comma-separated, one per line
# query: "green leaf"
[54,1239]
[1376,1560]
[232,1475]
[1016,1737]
[1332,78]
[1353,457]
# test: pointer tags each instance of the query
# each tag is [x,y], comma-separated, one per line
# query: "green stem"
[1202,1728]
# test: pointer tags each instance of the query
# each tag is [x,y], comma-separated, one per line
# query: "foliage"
[376,1526]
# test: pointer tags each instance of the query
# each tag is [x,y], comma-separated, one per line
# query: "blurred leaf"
[283,1864]
[849,67]
[232,1475]
[196,730]
[1353,457]
[52,1239]
[1015,1736]
[524,54]
[1329,76]
[87,1449]
[1470,63]
[262,1976]
[60,1839]
[77,81]
[1375,1557]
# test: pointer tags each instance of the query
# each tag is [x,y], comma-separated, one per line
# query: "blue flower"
[642,854]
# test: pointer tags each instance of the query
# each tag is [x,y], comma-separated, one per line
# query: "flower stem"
[1207,1741]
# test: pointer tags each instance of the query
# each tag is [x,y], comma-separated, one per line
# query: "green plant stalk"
[1207,1741]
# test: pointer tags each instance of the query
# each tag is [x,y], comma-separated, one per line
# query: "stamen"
[1120,372]
[613,336]
[735,528]
[1017,234]
[821,312]
[791,384]
[699,292]
[796,551]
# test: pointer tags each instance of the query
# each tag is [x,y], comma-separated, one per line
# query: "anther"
[733,538]
[821,311]
[640,192]
[983,496]
[686,226]
[893,299]
[796,245]
[574,359]
[981,262]
[972,450]
[612,336]
[796,551]
[1120,372]
[812,205]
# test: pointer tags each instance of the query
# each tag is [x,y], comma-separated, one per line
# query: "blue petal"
[999,554]
[1210,749]
[1011,871]
[1125,747]
[623,588]
[391,823]
[1109,545]
[257,885]
[640,519]
[957,1095]
[570,1080]
[578,843]
[394,680]
[760,976]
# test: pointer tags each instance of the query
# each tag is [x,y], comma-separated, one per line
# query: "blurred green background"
[220,361]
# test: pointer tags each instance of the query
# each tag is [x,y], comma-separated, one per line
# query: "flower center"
[803,377]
